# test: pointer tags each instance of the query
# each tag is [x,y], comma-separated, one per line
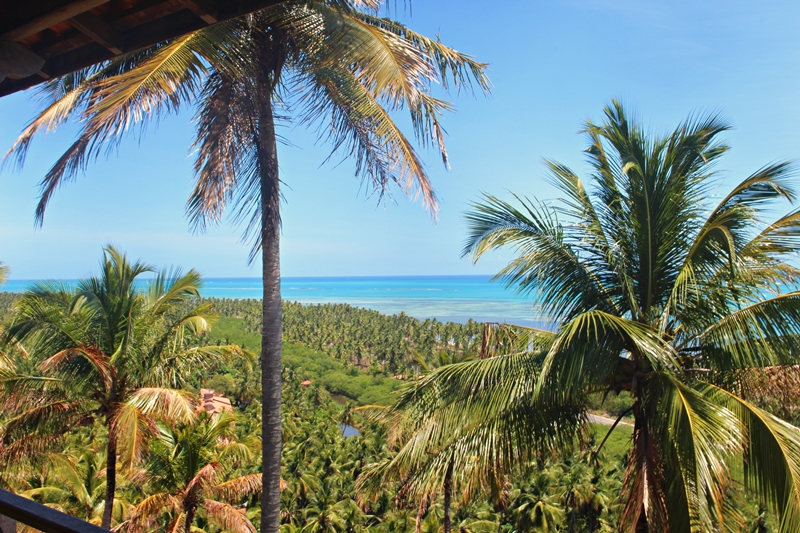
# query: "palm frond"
[697,438]
[546,264]
[165,404]
[172,288]
[146,514]
[162,82]
[98,360]
[238,489]
[762,334]
[453,67]
[132,429]
[588,351]
[227,517]
[772,458]
[224,130]
[352,119]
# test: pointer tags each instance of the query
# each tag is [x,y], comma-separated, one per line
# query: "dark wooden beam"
[146,23]
[144,12]
[42,517]
[205,9]
[229,9]
[51,18]
[96,28]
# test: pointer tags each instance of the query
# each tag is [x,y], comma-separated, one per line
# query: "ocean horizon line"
[457,298]
[248,278]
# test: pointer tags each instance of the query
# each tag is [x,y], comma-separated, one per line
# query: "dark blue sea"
[446,298]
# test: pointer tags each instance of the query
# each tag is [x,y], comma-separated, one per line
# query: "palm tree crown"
[334,65]
[189,472]
[653,291]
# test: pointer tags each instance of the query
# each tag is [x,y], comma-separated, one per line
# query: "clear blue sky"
[553,65]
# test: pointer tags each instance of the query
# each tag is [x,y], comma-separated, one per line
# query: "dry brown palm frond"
[175,405]
[775,387]
[94,355]
[237,489]
[225,127]
[201,481]
[227,517]
[145,515]
[179,524]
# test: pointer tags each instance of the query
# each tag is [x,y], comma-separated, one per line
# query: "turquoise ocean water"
[446,298]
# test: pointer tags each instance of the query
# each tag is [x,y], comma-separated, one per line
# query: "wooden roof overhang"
[44,39]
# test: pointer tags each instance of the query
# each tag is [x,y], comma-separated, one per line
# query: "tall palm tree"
[188,472]
[653,290]
[106,351]
[4,270]
[343,68]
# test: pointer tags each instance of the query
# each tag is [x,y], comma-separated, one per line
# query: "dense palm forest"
[364,338]
[201,472]
[578,491]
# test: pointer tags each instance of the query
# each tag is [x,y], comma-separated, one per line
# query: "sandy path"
[597,419]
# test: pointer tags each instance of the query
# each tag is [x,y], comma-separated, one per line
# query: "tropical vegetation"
[364,338]
[683,303]
[104,351]
[186,482]
[321,467]
[337,62]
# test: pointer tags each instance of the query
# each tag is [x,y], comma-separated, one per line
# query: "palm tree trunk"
[271,273]
[641,447]
[111,479]
[187,524]
[448,496]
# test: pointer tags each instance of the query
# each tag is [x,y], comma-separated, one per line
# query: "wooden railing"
[42,517]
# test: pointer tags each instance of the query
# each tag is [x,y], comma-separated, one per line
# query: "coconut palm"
[189,474]
[330,511]
[653,290]
[537,506]
[466,454]
[342,67]
[106,351]
[4,270]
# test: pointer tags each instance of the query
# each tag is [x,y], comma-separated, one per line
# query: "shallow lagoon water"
[446,298]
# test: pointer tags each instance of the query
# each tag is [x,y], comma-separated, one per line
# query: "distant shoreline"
[456,298]
[256,278]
